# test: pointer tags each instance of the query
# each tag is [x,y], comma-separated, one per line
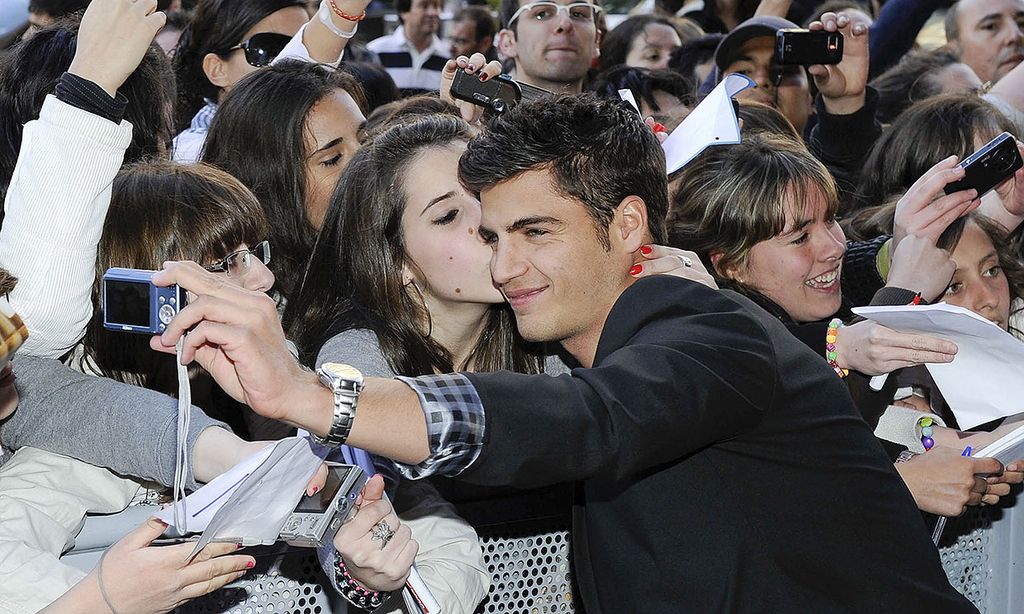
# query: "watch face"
[345,372]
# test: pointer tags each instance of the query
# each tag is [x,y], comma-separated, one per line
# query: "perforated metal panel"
[287,581]
[966,554]
[531,572]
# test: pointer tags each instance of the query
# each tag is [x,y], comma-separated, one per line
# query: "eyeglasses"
[237,264]
[261,49]
[545,11]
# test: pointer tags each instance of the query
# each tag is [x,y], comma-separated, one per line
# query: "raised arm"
[616,419]
[323,39]
[60,190]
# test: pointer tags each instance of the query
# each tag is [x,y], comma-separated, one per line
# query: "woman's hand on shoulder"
[664,260]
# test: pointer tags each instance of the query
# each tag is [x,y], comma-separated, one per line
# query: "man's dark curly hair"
[597,152]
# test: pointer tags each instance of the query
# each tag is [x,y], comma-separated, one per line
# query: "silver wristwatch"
[346,383]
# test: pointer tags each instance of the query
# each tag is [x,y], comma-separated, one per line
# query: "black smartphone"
[807,47]
[991,165]
[499,94]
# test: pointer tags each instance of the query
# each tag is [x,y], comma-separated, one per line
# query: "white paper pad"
[985,381]
[713,122]
[252,501]
[205,502]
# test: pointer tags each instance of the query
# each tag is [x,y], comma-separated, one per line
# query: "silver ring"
[382,532]
[685,260]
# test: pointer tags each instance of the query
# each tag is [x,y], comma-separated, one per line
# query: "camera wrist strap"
[181,460]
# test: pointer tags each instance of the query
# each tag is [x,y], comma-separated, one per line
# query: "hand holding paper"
[986,379]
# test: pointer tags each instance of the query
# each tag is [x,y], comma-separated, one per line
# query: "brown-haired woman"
[769,231]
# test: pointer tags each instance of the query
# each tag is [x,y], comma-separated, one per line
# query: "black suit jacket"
[722,464]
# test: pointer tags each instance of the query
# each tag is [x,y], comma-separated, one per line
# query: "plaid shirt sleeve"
[455,424]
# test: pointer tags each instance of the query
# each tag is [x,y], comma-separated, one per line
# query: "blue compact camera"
[131,302]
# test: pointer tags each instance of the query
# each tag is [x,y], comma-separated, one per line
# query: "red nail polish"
[636,270]
[646,250]
[250,564]
[659,128]
[471,67]
[316,489]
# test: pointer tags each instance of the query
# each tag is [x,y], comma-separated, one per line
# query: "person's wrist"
[310,405]
[844,105]
[96,75]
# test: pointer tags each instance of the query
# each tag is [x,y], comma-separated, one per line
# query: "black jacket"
[722,467]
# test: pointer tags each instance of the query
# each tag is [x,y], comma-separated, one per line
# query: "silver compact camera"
[318,517]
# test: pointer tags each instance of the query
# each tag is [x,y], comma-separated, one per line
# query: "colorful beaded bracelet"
[830,347]
[926,433]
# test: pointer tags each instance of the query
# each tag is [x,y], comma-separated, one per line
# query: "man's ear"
[216,70]
[630,224]
[507,44]
[597,46]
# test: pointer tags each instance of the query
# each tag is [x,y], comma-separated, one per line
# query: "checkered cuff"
[455,424]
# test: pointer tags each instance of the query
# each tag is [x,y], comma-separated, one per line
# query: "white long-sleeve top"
[54,211]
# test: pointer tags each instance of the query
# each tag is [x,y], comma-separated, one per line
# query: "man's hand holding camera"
[236,336]
[842,85]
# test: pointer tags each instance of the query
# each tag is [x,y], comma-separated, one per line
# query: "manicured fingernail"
[646,250]
[471,67]
[636,270]
[316,489]
[483,77]
[658,127]
[251,564]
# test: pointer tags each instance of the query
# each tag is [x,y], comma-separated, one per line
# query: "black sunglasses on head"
[261,49]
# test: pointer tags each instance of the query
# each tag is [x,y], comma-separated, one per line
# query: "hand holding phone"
[808,47]
[497,95]
[988,167]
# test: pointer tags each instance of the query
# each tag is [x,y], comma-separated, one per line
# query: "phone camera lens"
[1003,160]
[499,105]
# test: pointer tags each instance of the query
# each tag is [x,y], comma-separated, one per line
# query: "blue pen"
[967,451]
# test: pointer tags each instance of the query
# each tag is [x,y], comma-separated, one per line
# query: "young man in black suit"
[721,464]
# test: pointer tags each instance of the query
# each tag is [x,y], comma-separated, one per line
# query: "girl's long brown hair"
[354,278]
[164,211]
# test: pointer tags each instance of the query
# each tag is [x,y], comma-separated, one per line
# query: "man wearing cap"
[845,106]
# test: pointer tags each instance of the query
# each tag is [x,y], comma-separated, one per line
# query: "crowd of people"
[522,300]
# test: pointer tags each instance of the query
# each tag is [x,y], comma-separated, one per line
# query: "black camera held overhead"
[808,47]
[497,95]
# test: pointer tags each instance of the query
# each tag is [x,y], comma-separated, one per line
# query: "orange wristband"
[344,15]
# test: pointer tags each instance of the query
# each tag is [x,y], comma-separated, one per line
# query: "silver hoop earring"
[423,303]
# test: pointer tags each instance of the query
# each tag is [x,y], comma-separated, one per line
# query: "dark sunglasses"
[261,49]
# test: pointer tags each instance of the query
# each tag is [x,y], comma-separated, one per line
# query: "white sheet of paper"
[712,122]
[985,381]
[204,503]
[252,502]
